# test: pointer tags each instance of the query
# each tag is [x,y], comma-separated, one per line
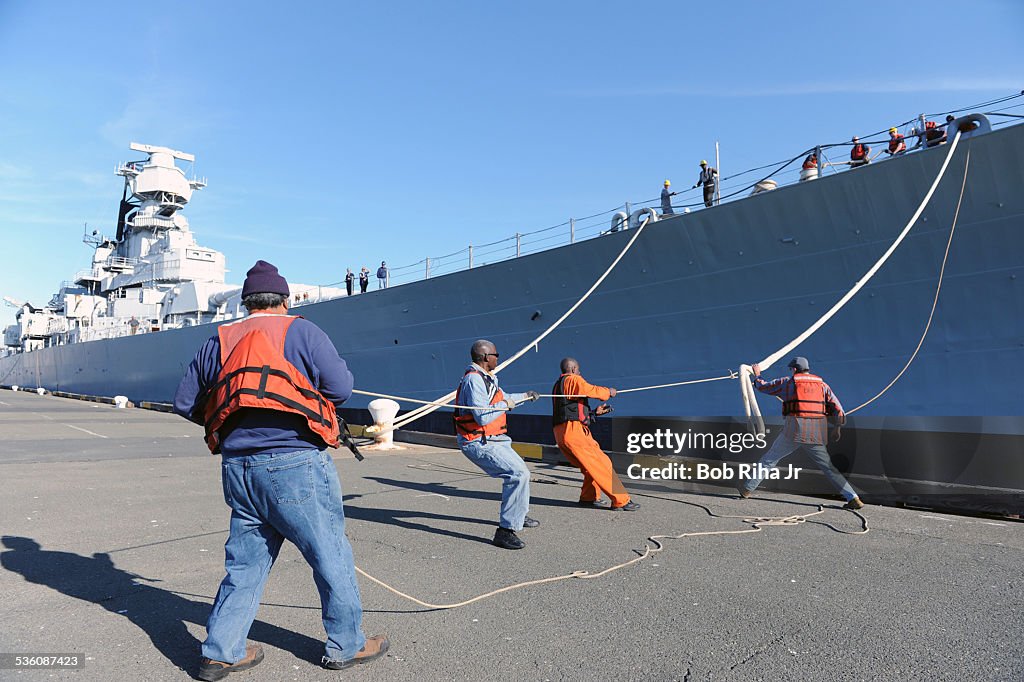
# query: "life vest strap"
[314,395]
[287,402]
[261,392]
[264,375]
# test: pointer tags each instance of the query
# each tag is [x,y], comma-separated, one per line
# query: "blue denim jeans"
[783,447]
[498,459]
[293,496]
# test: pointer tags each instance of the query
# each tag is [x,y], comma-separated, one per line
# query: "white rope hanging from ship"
[424,410]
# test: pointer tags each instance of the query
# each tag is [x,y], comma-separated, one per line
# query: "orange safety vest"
[466,424]
[255,374]
[896,143]
[809,397]
[810,162]
[858,152]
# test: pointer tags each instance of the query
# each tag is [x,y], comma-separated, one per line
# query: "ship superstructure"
[150,276]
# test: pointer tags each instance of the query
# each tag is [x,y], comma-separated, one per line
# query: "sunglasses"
[487,355]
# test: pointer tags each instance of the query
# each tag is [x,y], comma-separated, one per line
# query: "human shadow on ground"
[160,613]
[402,518]
[452,491]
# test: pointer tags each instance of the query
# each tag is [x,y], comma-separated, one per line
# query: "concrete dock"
[113,525]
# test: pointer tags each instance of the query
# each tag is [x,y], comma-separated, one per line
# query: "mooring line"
[427,409]
[938,289]
[491,408]
[750,405]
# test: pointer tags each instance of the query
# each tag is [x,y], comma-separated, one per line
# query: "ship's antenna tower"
[93,239]
[155,190]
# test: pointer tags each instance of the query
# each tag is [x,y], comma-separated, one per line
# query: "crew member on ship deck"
[709,179]
[666,199]
[897,145]
[859,153]
[571,419]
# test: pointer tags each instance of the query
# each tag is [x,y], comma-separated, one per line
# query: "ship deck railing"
[833,159]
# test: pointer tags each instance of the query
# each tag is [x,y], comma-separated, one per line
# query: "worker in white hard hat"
[666,201]
[860,154]
[708,178]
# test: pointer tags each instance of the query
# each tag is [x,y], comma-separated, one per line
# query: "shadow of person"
[160,613]
[453,491]
[402,518]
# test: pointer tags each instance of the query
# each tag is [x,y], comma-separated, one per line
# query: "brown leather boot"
[375,647]
[211,670]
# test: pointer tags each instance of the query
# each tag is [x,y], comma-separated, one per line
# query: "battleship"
[699,293]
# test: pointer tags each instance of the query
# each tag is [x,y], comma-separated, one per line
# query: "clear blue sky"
[340,134]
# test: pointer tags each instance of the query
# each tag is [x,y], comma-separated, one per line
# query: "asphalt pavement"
[113,526]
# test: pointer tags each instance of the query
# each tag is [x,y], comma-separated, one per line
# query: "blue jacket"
[251,431]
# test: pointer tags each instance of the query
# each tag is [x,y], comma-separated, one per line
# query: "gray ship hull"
[701,293]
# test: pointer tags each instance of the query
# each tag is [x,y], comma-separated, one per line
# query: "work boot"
[374,648]
[741,488]
[530,523]
[629,506]
[599,503]
[855,503]
[211,670]
[506,538]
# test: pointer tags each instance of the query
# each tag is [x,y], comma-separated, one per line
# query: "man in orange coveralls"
[571,419]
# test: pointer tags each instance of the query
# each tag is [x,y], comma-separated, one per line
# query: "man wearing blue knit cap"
[266,388]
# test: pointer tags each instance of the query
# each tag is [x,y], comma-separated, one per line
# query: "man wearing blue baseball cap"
[807,404]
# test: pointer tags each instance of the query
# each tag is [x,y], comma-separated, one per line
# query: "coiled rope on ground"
[653,545]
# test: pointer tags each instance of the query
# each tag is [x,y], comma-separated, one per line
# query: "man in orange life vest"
[571,420]
[483,439]
[896,143]
[807,404]
[266,389]
[859,153]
